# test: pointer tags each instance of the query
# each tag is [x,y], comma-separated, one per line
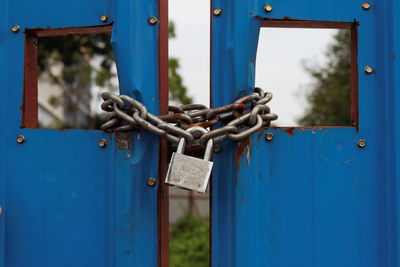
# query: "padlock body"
[189,173]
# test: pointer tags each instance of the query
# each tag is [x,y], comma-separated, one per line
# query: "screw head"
[269,137]
[268,8]
[153,20]
[151,182]
[366,5]
[362,143]
[102,143]
[20,139]
[217,149]
[104,18]
[217,11]
[15,28]
[368,70]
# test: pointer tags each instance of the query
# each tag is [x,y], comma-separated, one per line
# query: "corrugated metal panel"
[311,197]
[66,201]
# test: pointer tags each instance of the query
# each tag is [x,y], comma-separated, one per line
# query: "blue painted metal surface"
[66,201]
[311,198]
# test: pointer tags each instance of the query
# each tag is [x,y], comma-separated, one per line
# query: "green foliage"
[189,242]
[329,98]
[177,90]
[171,29]
[74,51]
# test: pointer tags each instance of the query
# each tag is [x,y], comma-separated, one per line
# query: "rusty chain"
[235,121]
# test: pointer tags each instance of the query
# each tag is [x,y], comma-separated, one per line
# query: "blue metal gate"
[65,200]
[311,197]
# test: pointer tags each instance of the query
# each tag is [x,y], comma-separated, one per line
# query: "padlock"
[189,172]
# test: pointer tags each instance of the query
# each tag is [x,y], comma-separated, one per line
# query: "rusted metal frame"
[195,196]
[352,26]
[30,93]
[163,193]
[354,75]
[40,32]
[275,23]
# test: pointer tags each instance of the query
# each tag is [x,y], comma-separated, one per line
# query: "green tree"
[189,242]
[329,100]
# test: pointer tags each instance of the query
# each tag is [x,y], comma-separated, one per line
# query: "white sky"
[279,58]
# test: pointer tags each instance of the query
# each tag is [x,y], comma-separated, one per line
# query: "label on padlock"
[189,173]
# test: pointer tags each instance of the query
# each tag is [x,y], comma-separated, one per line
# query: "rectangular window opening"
[65,72]
[311,69]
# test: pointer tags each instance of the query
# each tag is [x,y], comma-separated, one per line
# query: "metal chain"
[235,121]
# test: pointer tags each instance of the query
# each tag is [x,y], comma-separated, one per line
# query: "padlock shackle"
[181,146]
[209,146]
[209,150]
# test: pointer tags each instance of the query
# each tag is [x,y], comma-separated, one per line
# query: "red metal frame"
[163,193]
[30,95]
[352,26]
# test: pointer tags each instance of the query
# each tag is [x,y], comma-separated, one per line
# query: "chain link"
[235,121]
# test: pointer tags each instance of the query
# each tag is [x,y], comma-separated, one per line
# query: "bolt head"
[151,182]
[217,11]
[217,149]
[20,139]
[366,5]
[15,28]
[362,143]
[104,18]
[368,70]
[268,8]
[102,143]
[269,137]
[153,20]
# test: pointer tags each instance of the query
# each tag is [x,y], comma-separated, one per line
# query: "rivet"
[268,8]
[368,69]
[269,136]
[151,182]
[366,5]
[153,20]
[20,139]
[217,148]
[102,143]
[15,28]
[217,11]
[362,143]
[104,18]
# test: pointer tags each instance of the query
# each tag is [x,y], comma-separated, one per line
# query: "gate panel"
[66,201]
[311,197]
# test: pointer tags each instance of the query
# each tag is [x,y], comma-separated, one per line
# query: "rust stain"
[290,131]
[177,115]
[205,124]
[124,142]
[250,13]
[243,147]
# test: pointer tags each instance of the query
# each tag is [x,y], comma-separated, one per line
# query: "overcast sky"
[279,58]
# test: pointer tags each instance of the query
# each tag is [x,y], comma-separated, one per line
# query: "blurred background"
[307,70]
